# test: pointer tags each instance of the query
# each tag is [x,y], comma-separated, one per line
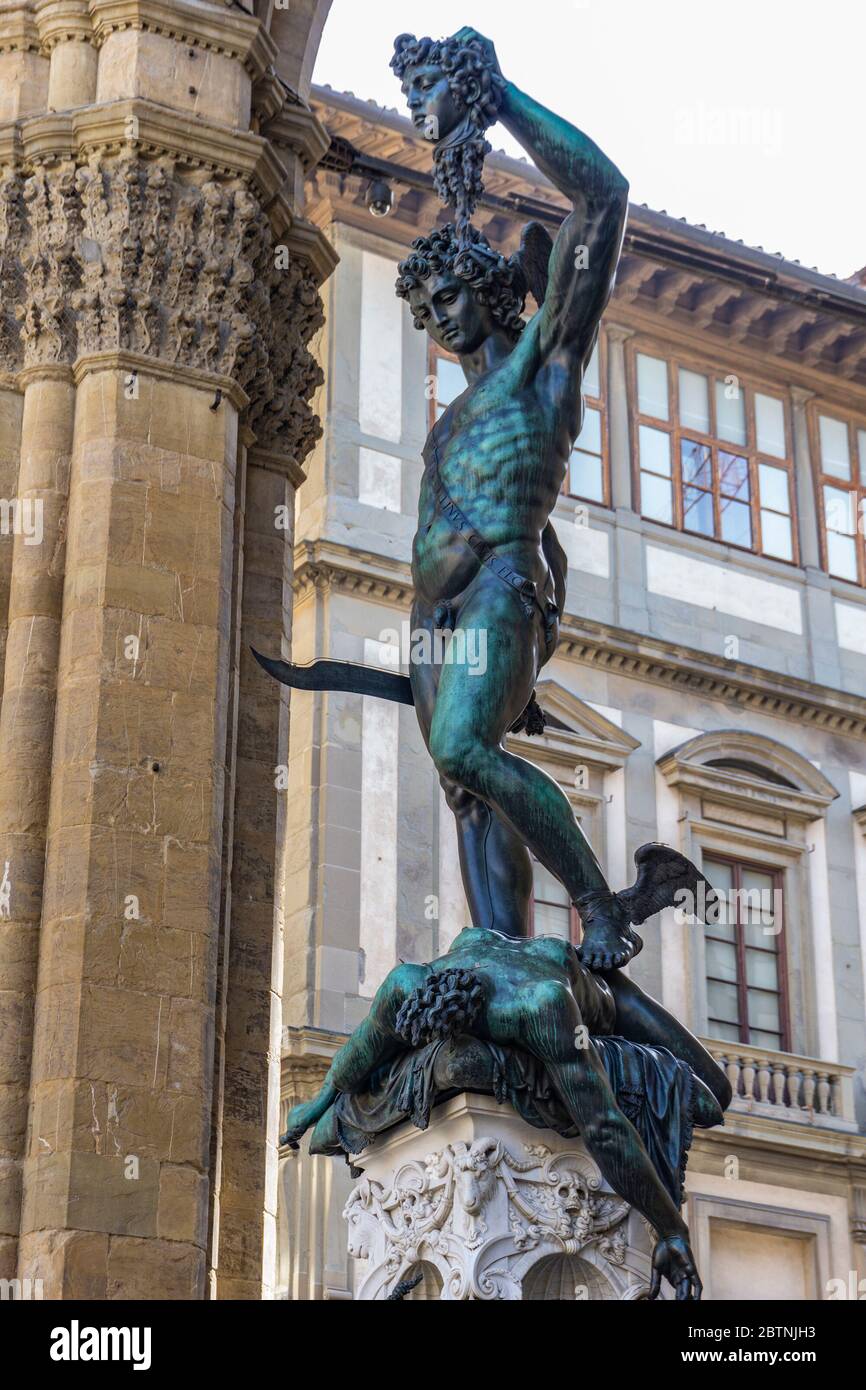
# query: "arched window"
[750,812]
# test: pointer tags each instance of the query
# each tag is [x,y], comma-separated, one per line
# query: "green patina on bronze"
[561,1033]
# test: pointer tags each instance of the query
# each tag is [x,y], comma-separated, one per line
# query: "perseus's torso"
[500,451]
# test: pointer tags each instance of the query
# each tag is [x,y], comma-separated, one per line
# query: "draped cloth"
[654,1090]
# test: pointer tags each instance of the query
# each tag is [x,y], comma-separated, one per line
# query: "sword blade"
[339,675]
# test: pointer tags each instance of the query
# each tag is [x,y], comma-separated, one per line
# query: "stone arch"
[431,1285]
[297,32]
[741,753]
[565,1278]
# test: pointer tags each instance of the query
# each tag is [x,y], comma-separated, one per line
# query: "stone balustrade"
[787,1087]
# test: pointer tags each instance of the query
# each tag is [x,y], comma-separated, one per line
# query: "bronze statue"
[486,558]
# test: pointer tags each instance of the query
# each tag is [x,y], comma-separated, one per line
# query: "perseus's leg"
[373,1043]
[494,862]
[473,711]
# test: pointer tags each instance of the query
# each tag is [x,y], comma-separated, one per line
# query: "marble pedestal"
[486,1207]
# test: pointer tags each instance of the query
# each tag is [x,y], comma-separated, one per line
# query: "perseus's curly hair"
[469,74]
[500,282]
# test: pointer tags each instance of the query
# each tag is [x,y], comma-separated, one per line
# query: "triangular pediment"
[580,731]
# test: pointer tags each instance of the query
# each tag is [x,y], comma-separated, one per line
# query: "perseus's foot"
[606,947]
[608,940]
[300,1119]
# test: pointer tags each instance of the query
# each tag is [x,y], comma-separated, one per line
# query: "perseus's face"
[434,108]
[446,306]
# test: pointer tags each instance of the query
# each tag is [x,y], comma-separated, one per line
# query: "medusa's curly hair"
[498,281]
[470,76]
[474,80]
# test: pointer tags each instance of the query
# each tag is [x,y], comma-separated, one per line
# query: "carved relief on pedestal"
[125,255]
[483,1218]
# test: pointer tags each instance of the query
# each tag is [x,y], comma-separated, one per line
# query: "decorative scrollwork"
[480,1214]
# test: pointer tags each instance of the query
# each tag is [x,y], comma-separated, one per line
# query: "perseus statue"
[486,559]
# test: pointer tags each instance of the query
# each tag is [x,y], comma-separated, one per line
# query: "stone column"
[618,418]
[116,1168]
[66,36]
[11,411]
[158,284]
[249,1085]
[821,645]
[23,67]
[26,732]
[627,535]
[804,481]
[313,1190]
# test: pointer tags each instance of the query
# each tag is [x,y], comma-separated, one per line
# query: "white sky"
[744,115]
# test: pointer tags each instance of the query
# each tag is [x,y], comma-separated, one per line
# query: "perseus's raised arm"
[587,246]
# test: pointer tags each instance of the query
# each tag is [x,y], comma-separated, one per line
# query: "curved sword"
[339,675]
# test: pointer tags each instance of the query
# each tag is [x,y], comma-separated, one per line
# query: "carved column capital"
[800,396]
[617,334]
[137,259]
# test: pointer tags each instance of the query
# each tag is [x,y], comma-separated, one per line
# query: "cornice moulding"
[18,31]
[160,130]
[310,244]
[305,1041]
[220,30]
[167,371]
[769,1139]
[301,130]
[63,21]
[735,791]
[771,846]
[567,750]
[799,319]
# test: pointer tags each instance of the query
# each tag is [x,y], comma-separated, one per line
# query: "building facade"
[707,691]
